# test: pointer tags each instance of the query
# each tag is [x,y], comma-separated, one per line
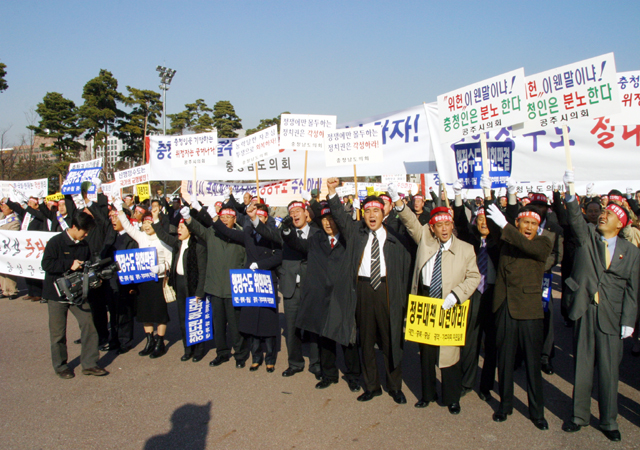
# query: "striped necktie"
[375,263]
[435,290]
[483,263]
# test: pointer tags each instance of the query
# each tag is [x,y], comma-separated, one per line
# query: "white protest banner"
[564,95]
[109,189]
[486,105]
[30,188]
[405,139]
[194,149]
[86,164]
[388,179]
[346,190]
[305,131]
[256,147]
[349,146]
[403,187]
[275,194]
[21,252]
[73,183]
[629,92]
[601,152]
[133,176]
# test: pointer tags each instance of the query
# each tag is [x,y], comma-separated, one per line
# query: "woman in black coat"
[258,324]
[186,276]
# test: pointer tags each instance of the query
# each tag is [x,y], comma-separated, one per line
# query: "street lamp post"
[166,75]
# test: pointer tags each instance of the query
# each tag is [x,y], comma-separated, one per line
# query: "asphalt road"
[168,404]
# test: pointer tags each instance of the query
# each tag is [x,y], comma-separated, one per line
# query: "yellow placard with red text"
[143,191]
[428,323]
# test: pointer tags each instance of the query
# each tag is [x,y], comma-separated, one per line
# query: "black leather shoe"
[197,358]
[500,417]
[66,374]
[570,426]
[185,357]
[254,367]
[354,386]
[465,391]
[541,424]
[368,395]
[398,397]
[123,350]
[612,435]
[485,396]
[271,369]
[421,403]
[454,408]
[104,347]
[3,296]
[291,372]
[240,364]
[13,297]
[219,360]
[78,341]
[635,353]
[325,383]
[547,368]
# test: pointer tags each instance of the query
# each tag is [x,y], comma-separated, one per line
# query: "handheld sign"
[133,176]
[252,288]
[198,321]
[305,131]
[470,165]
[256,147]
[351,146]
[135,265]
[195,149]
[547,279]
[428,323]
[76,177]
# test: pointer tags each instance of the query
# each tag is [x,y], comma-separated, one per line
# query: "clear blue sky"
[350,58]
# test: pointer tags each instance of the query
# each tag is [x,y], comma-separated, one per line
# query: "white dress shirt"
[183,249]
[365,265]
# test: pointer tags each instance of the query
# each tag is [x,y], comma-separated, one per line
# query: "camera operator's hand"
[76,265]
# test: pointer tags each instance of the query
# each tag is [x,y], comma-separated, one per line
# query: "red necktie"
[333,242]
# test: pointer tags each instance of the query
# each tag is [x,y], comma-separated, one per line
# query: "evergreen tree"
[3,73]
[146,110]
[266,123]
[226,120]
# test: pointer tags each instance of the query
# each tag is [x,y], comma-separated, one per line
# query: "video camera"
[74,286]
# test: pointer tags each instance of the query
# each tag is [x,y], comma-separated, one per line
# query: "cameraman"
[68,251]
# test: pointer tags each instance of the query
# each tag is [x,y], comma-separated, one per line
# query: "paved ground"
[167,404]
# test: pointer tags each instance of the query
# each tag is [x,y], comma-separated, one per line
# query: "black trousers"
[548,334]
[451,376]
[181,299]
[98,299]
[328,360]
[481,323]
[528,335]
[270,355]
[294,335]
[58,335]
[34,287]
[121,304]
[372,318]
[226,315]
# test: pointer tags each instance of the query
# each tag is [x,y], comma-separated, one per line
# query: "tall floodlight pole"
[166,75]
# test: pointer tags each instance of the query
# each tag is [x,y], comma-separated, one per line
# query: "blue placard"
[547,279]
[76,177]
[252,288]
[198,320]
[469,163]
[135,265]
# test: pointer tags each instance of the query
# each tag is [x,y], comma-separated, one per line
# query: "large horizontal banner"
[21,252]
[72,184]
[275,194]
[135,265]
[428,323]
[600,151]
[629,93]
[406,149]
[198,320]
[252,288]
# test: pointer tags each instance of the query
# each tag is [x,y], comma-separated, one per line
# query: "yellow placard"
[143,191]
[54,197]
[428,323]
[369,190]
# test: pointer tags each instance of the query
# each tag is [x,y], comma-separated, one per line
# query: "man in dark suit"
[517,303]
[292,275]
[325,309]
[378,285]
[602,300]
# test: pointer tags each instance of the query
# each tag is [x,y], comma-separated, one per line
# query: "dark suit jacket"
[617,286]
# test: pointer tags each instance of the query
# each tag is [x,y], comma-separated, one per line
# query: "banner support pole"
[485,162]
[567,155]
[257,181]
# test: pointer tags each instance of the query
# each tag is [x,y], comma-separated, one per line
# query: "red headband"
[385,196]
[373,204]
[262,212]
[615,198]
[325,211]
[619,212]
[441,217]
[181,220]
[480,212]
[147,218]
[538,198]
[218,204]
[227,212]
[419,196]
[60,201]
[140,209]
[296,205]
[531,214]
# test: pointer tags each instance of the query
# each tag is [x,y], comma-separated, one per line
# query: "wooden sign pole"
[257,182]
[355,181]
[567,154]
[306,157]
[485,162]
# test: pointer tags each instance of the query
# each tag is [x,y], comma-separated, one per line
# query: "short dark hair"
[155,200]
[83,221]
[614,192]
[127,212]
[263,207]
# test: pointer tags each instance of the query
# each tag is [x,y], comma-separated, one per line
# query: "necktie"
[607,257]
[483,263]
[375,263]
[435,290]
[300,234]
[333,242]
